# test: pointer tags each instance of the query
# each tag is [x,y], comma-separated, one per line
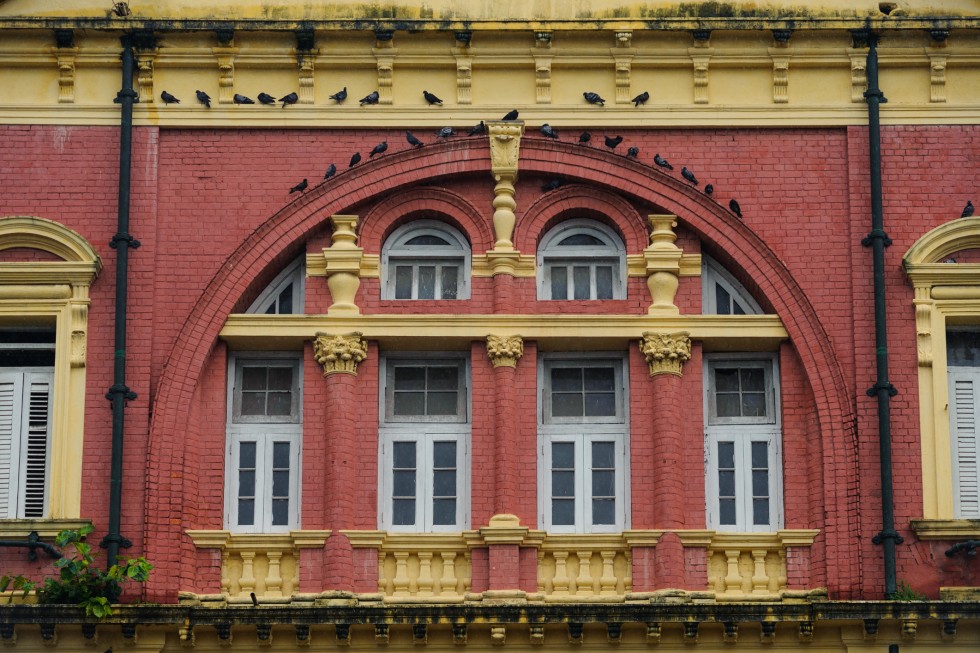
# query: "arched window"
[425,259]
[284,296]
[722,294]
[581,259]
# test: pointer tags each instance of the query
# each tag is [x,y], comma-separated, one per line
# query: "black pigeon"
[736,209]
[203,98]
[340,95]
[687,174]
[331,171]
[431,98]
[641,99]
[477,129]
[379,149]
[548,131]
[633,152]
[414,142]
[371,98]
[446,132]
[265,98]
[552,185]
[584,138]
[662,162]
[299,188]
[354,160]
[292,98]
[593,98]
[168,98]
[611,143]
[967,210]
[709,189]
[241,99]
[511,115]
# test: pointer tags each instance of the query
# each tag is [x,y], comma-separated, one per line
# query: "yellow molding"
[717,332]
[316,265]
[690,265]
[13,528]
[524,265]
[49,236]
[228,541]
[946,529]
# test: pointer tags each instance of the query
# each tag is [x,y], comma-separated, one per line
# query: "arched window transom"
[581,260]
[426,259]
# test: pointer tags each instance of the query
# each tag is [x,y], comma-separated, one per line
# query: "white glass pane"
[566,405]
[559,282]
[444,512]
[280,403]
[442,403]
[444,455]
[582,282]
[409,403]
[600,378]
[566,379]
[727,405]
[753,380]
[444,483]
[427,282]
[443,378]
[403,512]
[281,378]
[604,282]
[253,378]
[603,512]
[600,404]
[563,512]
[603,455]
[563,455]
[403,282]
[450,282]
[409,378]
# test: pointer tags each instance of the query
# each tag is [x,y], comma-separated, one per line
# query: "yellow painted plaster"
[55,293]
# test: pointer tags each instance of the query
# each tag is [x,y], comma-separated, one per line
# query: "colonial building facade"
[495,324]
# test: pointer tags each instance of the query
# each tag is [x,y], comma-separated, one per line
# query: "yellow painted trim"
[55,292]
[524,265]
[317,264]
[717,332]
[228,541]
[690,265]
[45,528]
[947,529]
[945,293]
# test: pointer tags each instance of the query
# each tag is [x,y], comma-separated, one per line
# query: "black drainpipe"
[121,242]
[882,389]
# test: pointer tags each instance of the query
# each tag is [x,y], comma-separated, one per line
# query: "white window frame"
[396,251]
[264,432]
[424,431]
[963,430]
[583,432]
[743,432]
[18,441]
[294,273]
[551,255]
[713,274]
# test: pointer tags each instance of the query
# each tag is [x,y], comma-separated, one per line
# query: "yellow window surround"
[54,292]
[945,294]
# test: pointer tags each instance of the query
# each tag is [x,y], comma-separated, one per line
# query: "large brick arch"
[380,221]
[470,157]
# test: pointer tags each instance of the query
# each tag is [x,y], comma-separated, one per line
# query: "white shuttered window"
[964,387]
[25,427]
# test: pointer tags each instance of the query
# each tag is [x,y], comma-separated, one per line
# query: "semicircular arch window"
[425,259]
[581,259]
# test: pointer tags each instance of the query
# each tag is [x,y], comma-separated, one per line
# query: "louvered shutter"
[36,430]
[966,463]
[10,404]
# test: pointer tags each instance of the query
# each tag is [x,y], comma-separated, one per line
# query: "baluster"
[607,584]
[733,580]
[401,582]
[559,583]
[760,579]
[448,583]
[545,585]
[273,580]
[225,573]
[425,581]
[583,583]
[247,580]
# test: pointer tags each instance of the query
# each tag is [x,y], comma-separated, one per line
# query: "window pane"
[563,455]
[600,404]
[444,455]
[580,240]
[563,512]
[450,281]
[559,282]
[253,378]
[427,282]
[726,455]
[281,378]
[600,378]
[603,511]
[280,483]
[246,512]
[246,483]
[963,348]
[760,483]
[582,282]
[727,405]
[739,309]
[562,484]
[280,403]
[754,404]
[285,301]
[409,403]
[726,509]
[443,378]
[603,483]
[409,378]
[403,483]
[760,512]
[760,455]
[246,455]
[444,512]
[566,379]
[753,380]
[253,403]
[723,301]
[566,405]
[604,282]
[726,379]
[444,483]
[280,512]
[403,282]
[404,455]
[442,403]
[403,512]
[280,455]
[726,483]
[428,239]
[603,455]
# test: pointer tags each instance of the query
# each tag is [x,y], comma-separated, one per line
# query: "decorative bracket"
[937,77]
[339,354]
[505,144]
[464,76]
[505,351]
[542,77]
[780,75]
[384,55]
[226,73]
[666,353]
[859,74]
[65,52]
[700,58]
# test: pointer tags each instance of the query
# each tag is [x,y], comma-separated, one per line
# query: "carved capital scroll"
[339,354]
[666,353]
[504,351]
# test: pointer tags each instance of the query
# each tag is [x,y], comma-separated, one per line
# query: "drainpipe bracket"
[969,546]
[876,234]
[120,389]
[887,534]
[876,94]
[126,93]
[124,542]
[882,385]
[126,238]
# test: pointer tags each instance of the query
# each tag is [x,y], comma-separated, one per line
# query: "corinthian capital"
[504,351]
[666,353]
[339,354]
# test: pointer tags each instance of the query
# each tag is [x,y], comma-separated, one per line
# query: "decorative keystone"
[505,351]
[505,144]
[339,354]
[666,353]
